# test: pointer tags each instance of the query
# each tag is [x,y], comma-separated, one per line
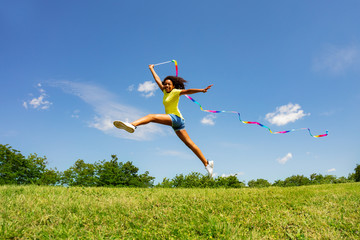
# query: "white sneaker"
[210,168]
[124,125]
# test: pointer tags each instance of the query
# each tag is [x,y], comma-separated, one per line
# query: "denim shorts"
[177,122]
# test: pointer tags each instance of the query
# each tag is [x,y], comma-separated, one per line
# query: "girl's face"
[168,85]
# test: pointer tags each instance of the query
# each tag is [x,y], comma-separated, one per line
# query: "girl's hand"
[207,88]
[151,66]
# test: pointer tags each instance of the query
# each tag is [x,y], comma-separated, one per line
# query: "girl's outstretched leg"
[156,118]
[184,136]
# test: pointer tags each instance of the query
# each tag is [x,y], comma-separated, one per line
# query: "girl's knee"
[151,117]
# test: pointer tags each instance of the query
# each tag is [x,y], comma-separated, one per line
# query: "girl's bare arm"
[192,91]
[156,77]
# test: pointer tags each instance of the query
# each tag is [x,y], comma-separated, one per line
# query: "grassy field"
[311,212]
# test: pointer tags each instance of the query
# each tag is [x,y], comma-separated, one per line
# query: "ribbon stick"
[174,61]
[162,63]
[257,123]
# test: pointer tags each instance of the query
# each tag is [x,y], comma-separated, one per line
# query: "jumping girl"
[172,87]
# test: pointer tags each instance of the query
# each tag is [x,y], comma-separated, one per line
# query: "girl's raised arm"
[156,77]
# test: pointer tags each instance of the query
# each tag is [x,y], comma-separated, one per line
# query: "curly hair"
[178,82]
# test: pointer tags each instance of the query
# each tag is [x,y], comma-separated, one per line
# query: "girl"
[172,87]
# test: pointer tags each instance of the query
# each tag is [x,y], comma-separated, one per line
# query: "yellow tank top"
[171,102]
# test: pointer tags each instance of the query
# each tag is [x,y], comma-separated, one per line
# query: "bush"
[229,182]
[198,180]
[279,183]
[259,183]
[296,180]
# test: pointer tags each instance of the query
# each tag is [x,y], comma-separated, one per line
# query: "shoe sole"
[211,163]
[122,125]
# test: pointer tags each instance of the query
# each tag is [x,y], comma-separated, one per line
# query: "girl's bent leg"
[156,118]
[184,136]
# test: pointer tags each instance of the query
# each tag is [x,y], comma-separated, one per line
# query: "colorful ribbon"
[257,123]
[245,122]
[176,66]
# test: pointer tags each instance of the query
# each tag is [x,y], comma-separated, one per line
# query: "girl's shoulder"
[174,91]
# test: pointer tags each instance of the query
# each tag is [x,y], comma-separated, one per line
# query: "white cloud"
[38,102]
[103,123]
[147,88]
[283,160]
[208,120]
[131,88]
[328,113]
[75,114]
[337,59]
[331,170]
[285,114]
[232,174]
[107,109]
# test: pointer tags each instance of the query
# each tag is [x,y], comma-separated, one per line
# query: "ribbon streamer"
[176,66]
[245,122]
[257,123]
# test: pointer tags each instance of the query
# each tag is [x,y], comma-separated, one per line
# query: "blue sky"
[70,68]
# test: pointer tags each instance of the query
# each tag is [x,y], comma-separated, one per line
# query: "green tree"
[229,182]
[259,183]
[320,179]
[316,178]
[80,174]
[114,173]
[179,181]
[15,168]
[109,172]
[198,180]
[166,183]
[329,179]
[357,173]
[279,183]
[342,180]
[296,180]
[50,177]
[351,177]
[192,180]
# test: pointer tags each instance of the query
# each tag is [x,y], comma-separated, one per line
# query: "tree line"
[17,169]
[197,180]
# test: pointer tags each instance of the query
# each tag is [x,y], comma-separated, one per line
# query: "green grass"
[311,212]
